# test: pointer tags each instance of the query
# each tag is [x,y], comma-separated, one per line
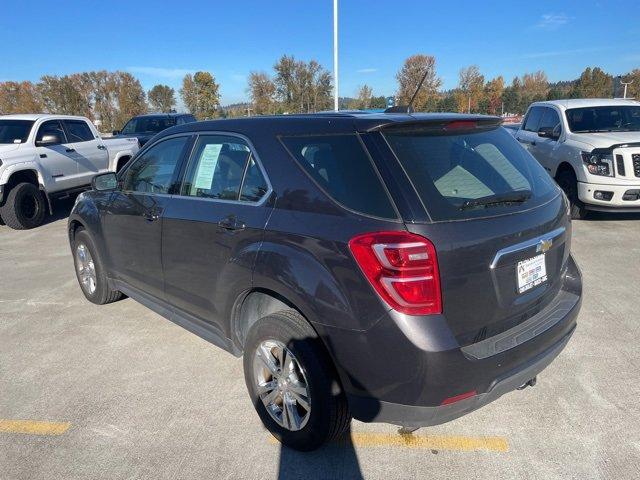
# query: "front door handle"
[101,147]
[152,215]
[71,150]
[231,223]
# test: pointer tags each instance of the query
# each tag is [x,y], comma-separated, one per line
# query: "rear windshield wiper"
[518,196]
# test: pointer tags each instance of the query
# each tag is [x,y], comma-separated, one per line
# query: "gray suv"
[400,268]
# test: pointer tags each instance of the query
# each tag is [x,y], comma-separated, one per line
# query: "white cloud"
[553,21]
[367,70]
[161,72]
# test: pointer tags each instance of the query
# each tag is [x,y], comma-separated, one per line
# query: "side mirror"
[116,132]
[104,182]
[47,140]
[548,132]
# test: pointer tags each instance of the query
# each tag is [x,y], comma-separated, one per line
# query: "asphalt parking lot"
[118,392]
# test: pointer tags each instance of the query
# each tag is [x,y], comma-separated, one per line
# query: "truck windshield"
[14,131]
[471,173]
[148,124]
[611,118]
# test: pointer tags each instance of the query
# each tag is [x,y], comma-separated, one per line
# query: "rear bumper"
[404,368]
[624,197]
[423,416]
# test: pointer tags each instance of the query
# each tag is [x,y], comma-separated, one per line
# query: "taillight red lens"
[403,269]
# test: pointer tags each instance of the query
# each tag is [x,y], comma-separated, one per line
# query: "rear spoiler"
[444,125]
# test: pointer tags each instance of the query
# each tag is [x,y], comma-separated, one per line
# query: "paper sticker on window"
[207,166]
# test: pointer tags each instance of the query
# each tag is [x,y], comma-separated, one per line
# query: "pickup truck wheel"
[569,183]
[90,271]
[24,208]
[292,382]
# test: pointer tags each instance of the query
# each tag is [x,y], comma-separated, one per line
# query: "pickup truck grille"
[636,164]
[620,165]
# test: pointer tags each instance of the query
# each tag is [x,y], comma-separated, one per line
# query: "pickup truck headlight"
[599,163]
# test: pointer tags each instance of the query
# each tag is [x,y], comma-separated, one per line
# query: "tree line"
[298,86]
[108,97]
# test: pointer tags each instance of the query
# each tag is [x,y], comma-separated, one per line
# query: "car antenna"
[409,108]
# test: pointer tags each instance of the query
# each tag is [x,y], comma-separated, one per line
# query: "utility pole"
[335,55]
[469,107]
[624,95]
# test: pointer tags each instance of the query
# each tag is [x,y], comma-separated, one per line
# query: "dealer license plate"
[531,273]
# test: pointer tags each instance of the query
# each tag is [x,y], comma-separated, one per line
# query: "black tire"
[329,416]
[24,208]
[102,293]
[569,183]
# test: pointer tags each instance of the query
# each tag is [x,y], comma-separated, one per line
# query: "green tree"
[364,97]
[300,86]
[593,83]
[512,97]
[262,91]
[409,77]
[200,93]
[162,98]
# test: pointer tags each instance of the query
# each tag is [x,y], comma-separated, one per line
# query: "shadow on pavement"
[605,216]
[335,460]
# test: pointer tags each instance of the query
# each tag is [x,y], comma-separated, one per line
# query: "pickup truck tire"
[90,271]
[569,183]
[24,208]
[310,370]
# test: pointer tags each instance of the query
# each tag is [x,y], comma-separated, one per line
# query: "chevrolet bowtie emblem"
[544,245]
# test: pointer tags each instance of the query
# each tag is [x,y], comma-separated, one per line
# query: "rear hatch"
[497,220]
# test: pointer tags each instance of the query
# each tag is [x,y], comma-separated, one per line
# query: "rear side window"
[458,176]
[342,168]
[78,131]
[533,119]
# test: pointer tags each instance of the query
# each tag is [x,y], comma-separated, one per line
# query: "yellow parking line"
[429,442]
[33,427]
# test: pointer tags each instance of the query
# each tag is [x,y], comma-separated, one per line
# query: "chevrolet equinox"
[399,268]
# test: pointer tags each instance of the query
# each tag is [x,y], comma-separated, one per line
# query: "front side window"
[222,167]
[154,171]
[51,127]
[470,174]
[342,168]
[78,131]
[550,120]
[533,119]
[624,118]
[14,131]
[148,124]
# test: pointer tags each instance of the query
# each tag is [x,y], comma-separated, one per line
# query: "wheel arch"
[565,167]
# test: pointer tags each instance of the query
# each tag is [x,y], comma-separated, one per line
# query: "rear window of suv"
[342,168]
[470,174]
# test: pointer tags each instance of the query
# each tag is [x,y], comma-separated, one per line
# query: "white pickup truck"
[45,157]
[591,147]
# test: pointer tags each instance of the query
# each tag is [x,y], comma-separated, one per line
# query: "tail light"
[402,267]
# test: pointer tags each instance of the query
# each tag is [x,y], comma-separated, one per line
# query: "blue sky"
[161,41]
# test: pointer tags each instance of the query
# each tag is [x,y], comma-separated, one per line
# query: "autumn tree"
[409,78]
[470,89]
[200,93]
[364,98]
[162,98]
[633,90]
[302,87]
[262,91]
[19,97]
[62,96]
[535,87]
[493,91]
[130,97]
[593,83]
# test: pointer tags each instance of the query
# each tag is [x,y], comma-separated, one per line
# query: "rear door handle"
[231,223]
[152,215]
[101,147]
[71,150]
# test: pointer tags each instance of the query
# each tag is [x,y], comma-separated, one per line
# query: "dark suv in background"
[144,127]
[389,267]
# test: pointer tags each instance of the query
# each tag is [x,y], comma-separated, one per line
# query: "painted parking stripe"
[33,427]
[459,443]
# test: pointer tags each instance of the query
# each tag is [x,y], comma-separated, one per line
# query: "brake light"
[402,267]
[461,125]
